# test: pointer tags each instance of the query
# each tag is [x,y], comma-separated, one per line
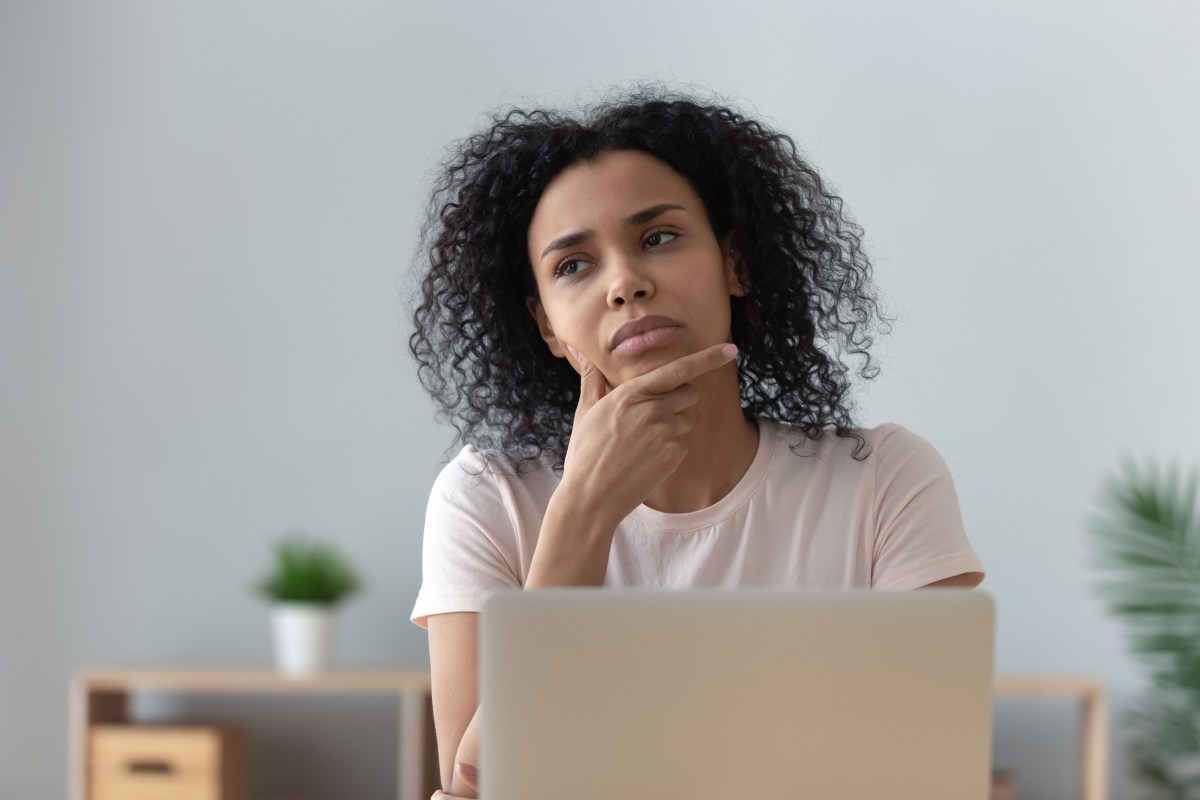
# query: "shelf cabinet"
[1093,721]
[101,697]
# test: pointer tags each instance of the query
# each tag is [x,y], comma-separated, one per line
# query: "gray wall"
[206,215]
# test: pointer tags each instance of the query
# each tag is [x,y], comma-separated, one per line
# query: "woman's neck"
[721,446]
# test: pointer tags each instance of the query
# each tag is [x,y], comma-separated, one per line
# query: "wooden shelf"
[1094,723]
[102,697]
[253,681]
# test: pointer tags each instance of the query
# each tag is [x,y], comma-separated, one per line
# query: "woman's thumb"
[592,384]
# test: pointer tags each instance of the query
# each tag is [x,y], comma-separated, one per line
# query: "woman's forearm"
[464,777]
[573,544]
[572,550]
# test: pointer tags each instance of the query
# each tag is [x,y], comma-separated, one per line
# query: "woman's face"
[620,239]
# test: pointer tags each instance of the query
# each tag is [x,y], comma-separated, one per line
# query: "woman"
[623,316]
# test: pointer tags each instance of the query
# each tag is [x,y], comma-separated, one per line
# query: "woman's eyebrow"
[637,218]
[644,216]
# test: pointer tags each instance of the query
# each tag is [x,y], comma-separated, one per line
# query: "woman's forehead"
[604,191]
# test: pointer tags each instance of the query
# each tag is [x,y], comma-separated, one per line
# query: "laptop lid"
[699,694]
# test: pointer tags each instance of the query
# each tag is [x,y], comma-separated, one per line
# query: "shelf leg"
[89,707]
[418,772]
[1095,745]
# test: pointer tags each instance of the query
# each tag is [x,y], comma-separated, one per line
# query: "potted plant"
[306,583]
[1148,539]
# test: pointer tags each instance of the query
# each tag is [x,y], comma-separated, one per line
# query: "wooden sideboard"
[1094,723]
[100,697]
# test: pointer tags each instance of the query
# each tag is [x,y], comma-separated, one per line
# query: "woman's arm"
[572,550]
[453,667]
[920,539]
[967,580]
[624,441]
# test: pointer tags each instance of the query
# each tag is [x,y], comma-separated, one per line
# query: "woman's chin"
[631,367]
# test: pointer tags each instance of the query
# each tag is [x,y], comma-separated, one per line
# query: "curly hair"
[478,350]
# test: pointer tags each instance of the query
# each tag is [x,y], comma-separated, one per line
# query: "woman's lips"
[643,324]
[646,340]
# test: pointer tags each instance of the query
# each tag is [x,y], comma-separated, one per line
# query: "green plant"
[308,572]
[1148,537]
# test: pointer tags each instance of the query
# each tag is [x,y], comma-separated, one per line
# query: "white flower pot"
[304,637]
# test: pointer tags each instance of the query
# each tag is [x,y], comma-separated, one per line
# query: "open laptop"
[723,695]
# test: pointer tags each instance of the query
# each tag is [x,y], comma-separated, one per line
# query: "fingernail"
[573,351]
[729,350]
[467,770]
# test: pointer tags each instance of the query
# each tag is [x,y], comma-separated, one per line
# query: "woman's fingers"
[592,383]
[621,449]
[674,374]
[680,398]
[668,378]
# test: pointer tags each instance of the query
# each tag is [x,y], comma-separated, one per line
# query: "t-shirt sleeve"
[919,535]
[469,545]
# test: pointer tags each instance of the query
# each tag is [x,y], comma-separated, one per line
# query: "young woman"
[628,316]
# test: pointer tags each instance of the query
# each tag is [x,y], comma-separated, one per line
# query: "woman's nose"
[620,300]
[628,283]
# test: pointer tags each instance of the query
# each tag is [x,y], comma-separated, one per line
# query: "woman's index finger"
[674,374]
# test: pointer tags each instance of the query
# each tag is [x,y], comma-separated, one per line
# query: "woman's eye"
[567,268]
[657,235]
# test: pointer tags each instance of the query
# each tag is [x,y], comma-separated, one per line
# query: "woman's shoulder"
[888,453]
[883,443]
[473,466]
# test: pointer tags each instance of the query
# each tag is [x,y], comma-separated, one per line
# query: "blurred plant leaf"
[308,572]
[1147,537]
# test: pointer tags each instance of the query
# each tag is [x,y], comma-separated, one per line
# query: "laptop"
[721,695]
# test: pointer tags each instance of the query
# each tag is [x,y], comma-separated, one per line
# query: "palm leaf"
[1147,538]
[1148,544]
[1166,743]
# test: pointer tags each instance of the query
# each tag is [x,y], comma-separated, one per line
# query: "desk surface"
[374,681]
[339,681]
[1048,686]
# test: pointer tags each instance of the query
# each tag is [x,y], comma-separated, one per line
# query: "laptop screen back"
[699,694]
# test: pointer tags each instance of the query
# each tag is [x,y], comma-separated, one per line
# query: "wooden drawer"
[154,789]
[143,762]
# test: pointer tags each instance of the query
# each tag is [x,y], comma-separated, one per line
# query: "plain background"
[207,219]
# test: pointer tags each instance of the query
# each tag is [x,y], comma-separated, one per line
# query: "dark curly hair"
[478,350]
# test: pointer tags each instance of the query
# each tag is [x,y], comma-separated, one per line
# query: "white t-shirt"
[809,518]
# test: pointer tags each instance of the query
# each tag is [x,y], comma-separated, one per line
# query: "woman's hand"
[626,440]
[464,780]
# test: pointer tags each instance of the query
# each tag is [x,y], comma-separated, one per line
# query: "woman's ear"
[737,287]
[539,315]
